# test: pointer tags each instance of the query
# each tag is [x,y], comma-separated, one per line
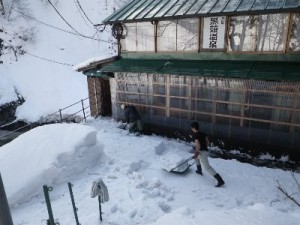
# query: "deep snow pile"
[141,192]
[48,154]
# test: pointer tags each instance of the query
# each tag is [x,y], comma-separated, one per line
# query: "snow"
[140,190]
[46,69]
[134,169]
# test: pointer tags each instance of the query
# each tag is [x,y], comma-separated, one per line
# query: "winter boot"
[220,180]
[199,170]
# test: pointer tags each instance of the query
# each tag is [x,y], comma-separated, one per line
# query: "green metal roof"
[259,70]
[149,10]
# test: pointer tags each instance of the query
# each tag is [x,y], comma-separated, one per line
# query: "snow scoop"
[182,167]
[122,126]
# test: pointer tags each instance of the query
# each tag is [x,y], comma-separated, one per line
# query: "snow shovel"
[182,167]
[122,126]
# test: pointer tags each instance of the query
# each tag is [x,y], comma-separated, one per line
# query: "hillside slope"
[41,42]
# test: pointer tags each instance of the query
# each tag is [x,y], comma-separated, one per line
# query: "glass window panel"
[121,97]
[159,79]
[143,88]
[283,101]
[145,36]
[176,7]
[143,99]
[291,3]
[294,44]
[166,8]
[272,32]
[242,33]
[214,32]
[187,35]
[157,111]
[179,103]
[222,120]
[129,42]
[260,125]
[275,4]
[132,98]
[186,7]
[139,10]
[159,101]
[147,9]
[205,93]
[261,98]
[159,89]
[260,113]
[260,5]
[245,5]
[166,36]
[131,87]
[179,91]
[219,6]
[232,5]
[196,7]
[222,108]
[203,117]
[204,106]
[207,6]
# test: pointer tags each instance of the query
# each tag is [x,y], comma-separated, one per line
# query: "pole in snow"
[73,203]
[99,189]
[5,216]
[46,189]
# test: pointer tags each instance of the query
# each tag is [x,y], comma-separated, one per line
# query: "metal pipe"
[46,189]
[82,104]
[100,210]
[73,203]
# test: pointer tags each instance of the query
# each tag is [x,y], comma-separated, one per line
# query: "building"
[232,65]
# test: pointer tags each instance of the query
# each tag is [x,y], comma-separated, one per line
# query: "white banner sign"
[214,32]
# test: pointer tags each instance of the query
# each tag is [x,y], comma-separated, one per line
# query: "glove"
[196,155]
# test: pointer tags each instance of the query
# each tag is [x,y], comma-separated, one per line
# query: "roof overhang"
[257,70]
[157,10]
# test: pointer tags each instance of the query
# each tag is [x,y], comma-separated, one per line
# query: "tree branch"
[287,195]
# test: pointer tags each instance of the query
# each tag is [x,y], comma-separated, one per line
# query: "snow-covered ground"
[140,190]
[44,75]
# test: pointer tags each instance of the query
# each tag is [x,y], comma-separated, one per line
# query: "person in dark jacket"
[201,154]
[132,118]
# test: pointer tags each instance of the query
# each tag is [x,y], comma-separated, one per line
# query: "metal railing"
[77,115]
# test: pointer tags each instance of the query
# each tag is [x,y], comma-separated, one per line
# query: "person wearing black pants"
[201,154]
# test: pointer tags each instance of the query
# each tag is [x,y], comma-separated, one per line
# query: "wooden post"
[5,216]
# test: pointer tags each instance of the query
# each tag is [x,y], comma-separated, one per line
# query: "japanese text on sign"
[214,32]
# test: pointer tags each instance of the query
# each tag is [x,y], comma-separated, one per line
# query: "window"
[178,35]
[258,32]
[294,44]
[138,37]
